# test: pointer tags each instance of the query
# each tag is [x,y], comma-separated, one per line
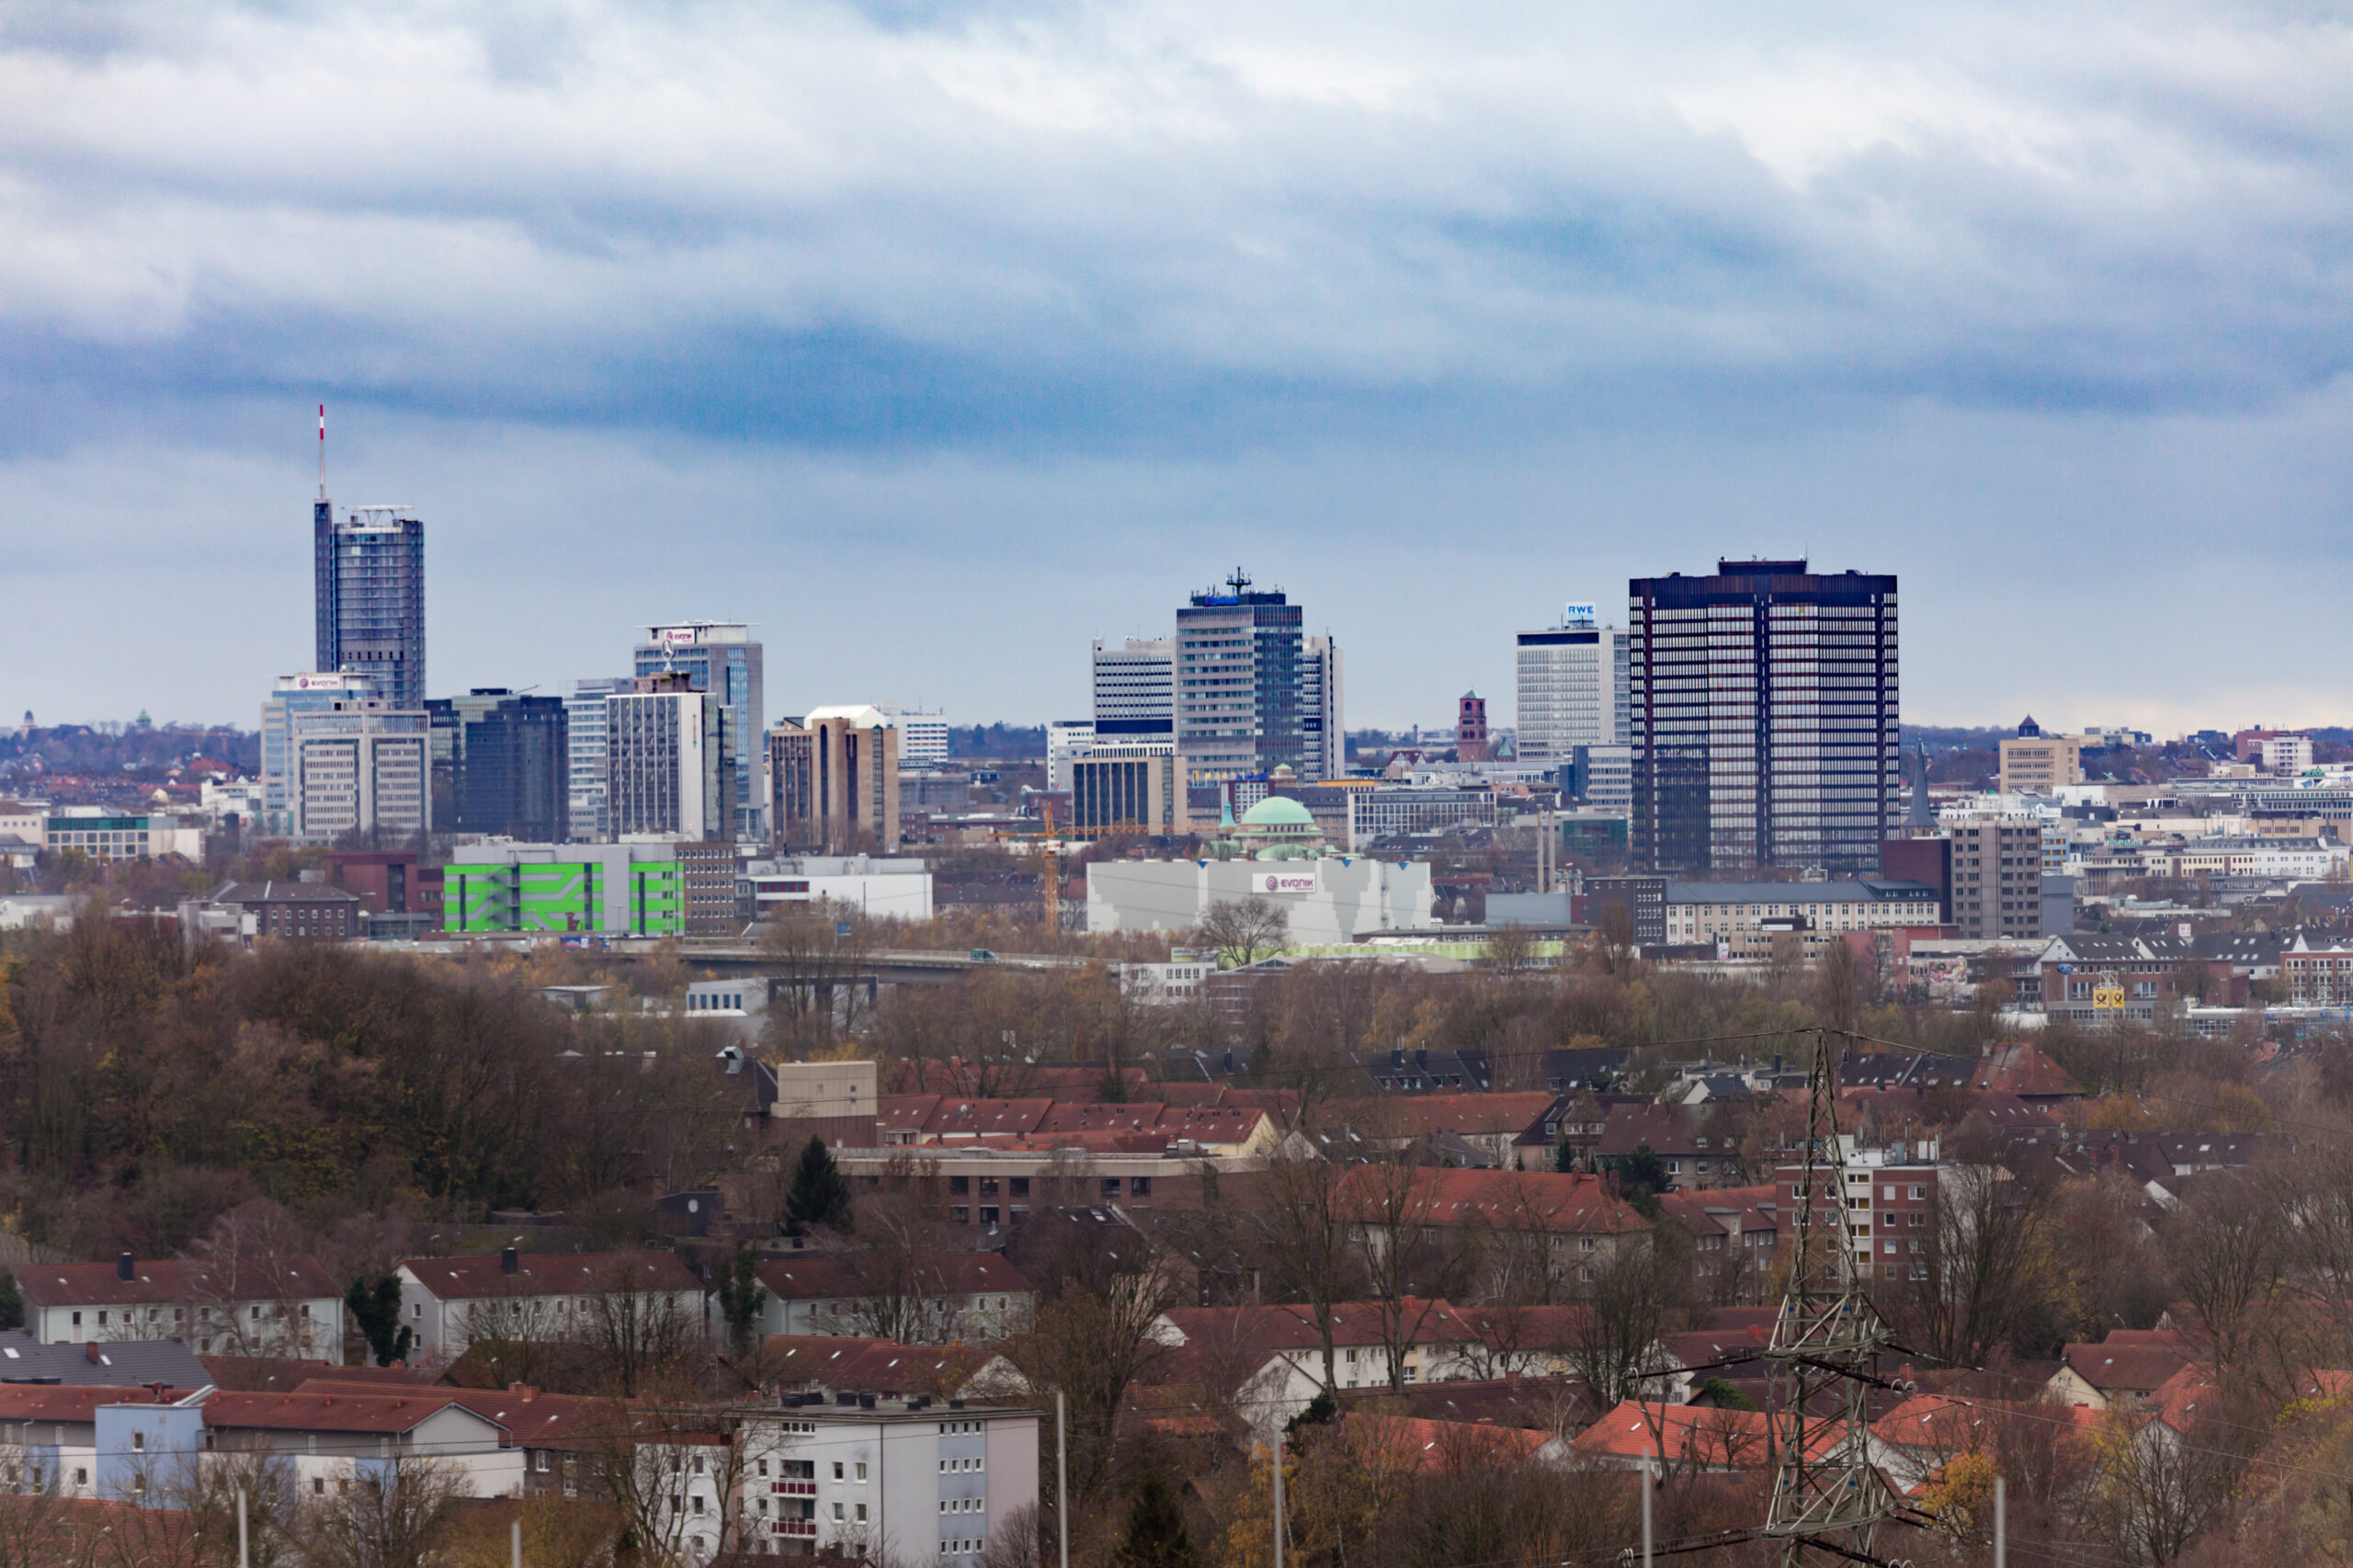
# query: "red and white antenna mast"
[322,451]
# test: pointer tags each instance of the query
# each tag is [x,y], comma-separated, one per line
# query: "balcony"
[794,1527]
[793,1488]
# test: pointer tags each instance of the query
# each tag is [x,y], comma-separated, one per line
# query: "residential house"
[1735,1234]
[258,1306]
[448,1302]
[2122,1371]
[930,1298]
[1698,1145]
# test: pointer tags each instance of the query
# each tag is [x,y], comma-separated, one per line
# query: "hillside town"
[632,1128]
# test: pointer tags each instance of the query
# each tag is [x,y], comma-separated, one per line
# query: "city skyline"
[2049,321]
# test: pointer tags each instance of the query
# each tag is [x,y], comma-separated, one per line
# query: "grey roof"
[1875,890]
[123,1363]
[282,893]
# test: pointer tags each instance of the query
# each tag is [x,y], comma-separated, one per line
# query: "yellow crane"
[1053,880]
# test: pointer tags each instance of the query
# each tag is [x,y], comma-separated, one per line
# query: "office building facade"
[833,781]
[1572,687]
[517,780]
[1764,719]
[1324,735]
[360,768]
[313,692]
[1127,789]
[1251,695]
[720,658]
[1134,687]
[588,814]
[670,760]
[370,595]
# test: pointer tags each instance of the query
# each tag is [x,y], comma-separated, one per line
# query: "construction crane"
[1053,880]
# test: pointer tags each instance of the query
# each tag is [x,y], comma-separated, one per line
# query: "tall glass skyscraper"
[369,578]
[1764,719]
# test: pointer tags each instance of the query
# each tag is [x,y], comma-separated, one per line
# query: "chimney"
[90,1350]
[122,1266]
[523,1392]
[510,1260]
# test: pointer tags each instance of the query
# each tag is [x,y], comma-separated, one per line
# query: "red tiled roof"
[2023,1070]
[870,1366]
[339,1409]
[2130,1359]
[1952,1425]
[1279,1328]
[1702,1435]
[907,1113]
[538,1420]
[817,1278]
[1428,1445]
[166,1280]
[960,1119]
[551,1274]
[1424,1116]
[1516,1200]
[53,1401]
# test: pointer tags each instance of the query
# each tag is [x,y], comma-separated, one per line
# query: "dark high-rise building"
[516,781]
[1250,692]
[1764,719]
[369,583]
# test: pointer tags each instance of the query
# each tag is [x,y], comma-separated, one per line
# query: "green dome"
[1278,810]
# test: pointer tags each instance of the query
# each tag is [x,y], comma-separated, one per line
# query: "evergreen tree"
[819,1195]
[1564,1158]
[740,1297]
[376,1307]
[1156,1535]
[12,1302]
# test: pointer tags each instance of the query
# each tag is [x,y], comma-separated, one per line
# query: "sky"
[939,338]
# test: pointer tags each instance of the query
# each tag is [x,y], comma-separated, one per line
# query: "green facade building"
[615,890]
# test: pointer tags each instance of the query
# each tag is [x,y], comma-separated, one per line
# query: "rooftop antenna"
[322,451]
[1239,581]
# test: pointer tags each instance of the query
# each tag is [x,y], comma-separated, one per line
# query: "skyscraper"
[590,817]
[1249,697]
[719,656]
[370,571]
[1764,719]
[670,760]
[835,776]
[516,778]
[1132,690]
[295,694]
[359,769]
[1572,687]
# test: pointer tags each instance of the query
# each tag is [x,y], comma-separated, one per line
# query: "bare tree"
[2155,1490]
[1409,1258]
[2230,1246]
[897,1288]
[1641,1290]
[638,1327]
[242,1281]
[819,996]
[1989,1259]
[1301,1233]
[1242,931]
[391,1513]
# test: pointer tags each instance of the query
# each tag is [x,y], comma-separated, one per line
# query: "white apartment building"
[1707,912]
[1573,684]
[359,765]
[286,1307]
[923,737]
[902,1479]
[868,884]
[103,836]
[668,761]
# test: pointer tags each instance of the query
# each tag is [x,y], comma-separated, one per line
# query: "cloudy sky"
[939,338]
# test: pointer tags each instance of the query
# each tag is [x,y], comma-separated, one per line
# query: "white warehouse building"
[1330,900]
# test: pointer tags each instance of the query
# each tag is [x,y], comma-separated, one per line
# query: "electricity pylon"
[1828,1498]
